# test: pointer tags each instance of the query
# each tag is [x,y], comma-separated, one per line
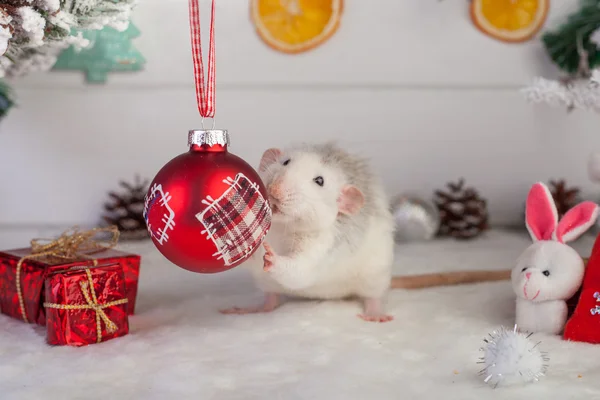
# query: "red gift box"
[22,288]
[86,305]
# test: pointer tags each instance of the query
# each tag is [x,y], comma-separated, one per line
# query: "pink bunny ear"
[541,216]
[576,221]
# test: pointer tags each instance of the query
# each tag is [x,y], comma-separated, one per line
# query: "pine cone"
[564,197]
[463,214]
[125,210]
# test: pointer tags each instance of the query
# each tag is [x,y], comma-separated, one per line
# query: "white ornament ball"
[415,219]
[511,358]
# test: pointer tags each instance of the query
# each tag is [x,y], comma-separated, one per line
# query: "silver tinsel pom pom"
[415,218]
[511,358]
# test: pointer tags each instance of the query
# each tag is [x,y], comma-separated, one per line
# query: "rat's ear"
[351,200]
[269,157]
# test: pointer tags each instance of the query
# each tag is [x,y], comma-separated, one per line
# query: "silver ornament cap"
[415,219]
[209,137]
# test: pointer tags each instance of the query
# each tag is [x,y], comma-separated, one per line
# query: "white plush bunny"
[549,272]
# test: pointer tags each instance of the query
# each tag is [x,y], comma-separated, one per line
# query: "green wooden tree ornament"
[6,99]
[109,51]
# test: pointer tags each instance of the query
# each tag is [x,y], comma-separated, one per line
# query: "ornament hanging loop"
[213,123]
[205,91]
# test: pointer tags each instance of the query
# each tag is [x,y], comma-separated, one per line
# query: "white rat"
[549,272]
[332,234]
[332,231]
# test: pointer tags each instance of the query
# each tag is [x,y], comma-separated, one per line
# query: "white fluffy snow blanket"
[180,347]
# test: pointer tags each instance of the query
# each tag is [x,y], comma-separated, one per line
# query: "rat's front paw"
[373,311]
[282,269]
[376,317]
[269,257]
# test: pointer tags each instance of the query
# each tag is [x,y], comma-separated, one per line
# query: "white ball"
[510,358]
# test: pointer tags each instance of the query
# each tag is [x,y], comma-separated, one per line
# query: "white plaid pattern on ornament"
[236,222]
[205,93]
[158,198]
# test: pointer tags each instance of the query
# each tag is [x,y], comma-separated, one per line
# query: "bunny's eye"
[286,162]
[319,180]
[524,269]
[546,273]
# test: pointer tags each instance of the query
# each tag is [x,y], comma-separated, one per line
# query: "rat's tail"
[447,279]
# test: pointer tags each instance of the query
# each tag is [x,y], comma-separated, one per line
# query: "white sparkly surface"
[180,347]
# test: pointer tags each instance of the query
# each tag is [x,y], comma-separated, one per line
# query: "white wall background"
[410,83]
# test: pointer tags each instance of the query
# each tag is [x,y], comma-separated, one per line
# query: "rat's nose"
[528,275]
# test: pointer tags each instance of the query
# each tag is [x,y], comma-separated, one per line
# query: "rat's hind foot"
[271,303]
[373,311]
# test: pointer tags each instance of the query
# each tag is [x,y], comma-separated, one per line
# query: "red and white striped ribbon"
[205,92]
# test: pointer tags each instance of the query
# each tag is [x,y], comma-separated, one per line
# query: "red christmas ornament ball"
[207,210]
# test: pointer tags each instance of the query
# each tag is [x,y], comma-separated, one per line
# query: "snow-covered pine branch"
[34,32]
[572,94]
[96,14]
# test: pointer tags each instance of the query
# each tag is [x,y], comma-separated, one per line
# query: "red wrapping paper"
[34,273]
[79,327]
[32,280]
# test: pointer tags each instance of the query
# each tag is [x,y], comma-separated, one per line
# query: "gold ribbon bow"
[72,245]
[87,288]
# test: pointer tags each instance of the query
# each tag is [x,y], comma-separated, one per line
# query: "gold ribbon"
[87,288]
[72,245]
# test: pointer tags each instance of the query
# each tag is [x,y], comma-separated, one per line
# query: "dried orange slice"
[294,26]
[509,20]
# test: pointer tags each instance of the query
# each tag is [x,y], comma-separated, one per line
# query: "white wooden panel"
[380,42]
[57,166]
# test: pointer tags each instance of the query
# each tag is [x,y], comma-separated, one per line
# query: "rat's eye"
[524,269]
[319,180]
[286,162]
[546,273]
